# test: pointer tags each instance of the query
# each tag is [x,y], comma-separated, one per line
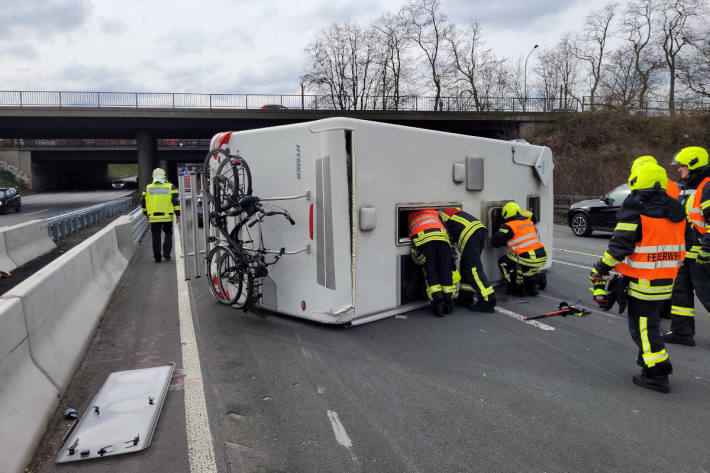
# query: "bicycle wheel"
[232,181]
[226,275]
[207,175]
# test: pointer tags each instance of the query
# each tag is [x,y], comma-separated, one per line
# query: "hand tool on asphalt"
[564,310]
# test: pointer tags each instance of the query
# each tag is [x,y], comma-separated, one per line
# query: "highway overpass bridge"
[49,168]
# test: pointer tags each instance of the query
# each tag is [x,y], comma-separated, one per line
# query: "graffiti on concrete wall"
[19,174]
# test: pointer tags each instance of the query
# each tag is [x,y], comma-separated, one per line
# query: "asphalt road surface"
[471,392]
[54,203]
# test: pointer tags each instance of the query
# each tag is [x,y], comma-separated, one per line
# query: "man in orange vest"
[694,275]
[432,250]
[521,265]
[647,248]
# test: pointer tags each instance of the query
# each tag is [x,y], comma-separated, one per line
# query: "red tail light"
[310,221]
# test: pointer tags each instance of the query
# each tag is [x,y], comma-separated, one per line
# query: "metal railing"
[175,100]
[139,224]
[61,226]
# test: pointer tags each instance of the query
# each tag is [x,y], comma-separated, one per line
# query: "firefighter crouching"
[160,202]
[431,249]
[694,275]
[468,235]
[521,265]
[647,248]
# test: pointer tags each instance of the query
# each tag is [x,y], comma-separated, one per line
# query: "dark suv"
[9,199]
[597,214]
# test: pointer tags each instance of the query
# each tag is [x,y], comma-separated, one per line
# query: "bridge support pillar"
[146,158]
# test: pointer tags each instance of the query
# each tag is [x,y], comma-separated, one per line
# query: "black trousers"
[157,229]
[692,277]
[437,269]
[473,278]
[644,327]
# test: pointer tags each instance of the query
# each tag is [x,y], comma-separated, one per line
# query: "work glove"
[418,258]
[703,255]
[598,290]
[456,276]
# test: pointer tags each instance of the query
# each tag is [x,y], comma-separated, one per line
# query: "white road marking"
[341,435]
[39,211]
[577,252]
[200,450]
[534,323]
[588,267]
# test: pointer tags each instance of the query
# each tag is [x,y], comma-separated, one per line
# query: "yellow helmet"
[693,156]
[647,176]
[511,209]
[641,161]
[158,175]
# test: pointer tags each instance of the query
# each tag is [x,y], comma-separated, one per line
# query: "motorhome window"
[534,207]
[403,220]
[412,283]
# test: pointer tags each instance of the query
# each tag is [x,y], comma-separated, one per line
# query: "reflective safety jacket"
[160,202]
[461,226]
[660,252]
[648,245]
[519,234]
[425,226]
[673,189]
[695,207]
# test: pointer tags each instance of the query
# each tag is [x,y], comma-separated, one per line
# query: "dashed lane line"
[577,252]
[200,450]
[341,435]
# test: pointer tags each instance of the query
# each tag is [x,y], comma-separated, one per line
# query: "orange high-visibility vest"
[420,220]
[525,237]
[694,211]
[673,189]
[660,252]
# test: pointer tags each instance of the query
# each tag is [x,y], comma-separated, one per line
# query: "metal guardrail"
[139,224]
[61,226]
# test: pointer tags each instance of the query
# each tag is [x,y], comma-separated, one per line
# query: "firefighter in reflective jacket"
[431,249]
[647,248]
[160,202]
[694,275]
[468,235]
[521,265]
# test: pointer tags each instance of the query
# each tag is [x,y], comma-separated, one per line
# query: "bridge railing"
[170,100]
[61,226]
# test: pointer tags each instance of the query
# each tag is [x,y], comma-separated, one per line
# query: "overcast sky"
[222,46]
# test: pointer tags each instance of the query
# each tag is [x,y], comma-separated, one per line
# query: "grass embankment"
[8,180]
[594,151]
[119,171]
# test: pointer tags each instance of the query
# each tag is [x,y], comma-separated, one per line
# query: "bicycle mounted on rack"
[238,261]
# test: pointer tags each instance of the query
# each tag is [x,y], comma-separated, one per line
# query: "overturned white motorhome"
[362,178]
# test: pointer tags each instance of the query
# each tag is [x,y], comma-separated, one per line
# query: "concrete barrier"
[27,397]
[46,323]
[27,241]
[6,264]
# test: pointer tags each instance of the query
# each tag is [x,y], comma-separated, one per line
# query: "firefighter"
[646,249]
[160,202]
[431,249]
[468,235]
[521,265]
[694,275]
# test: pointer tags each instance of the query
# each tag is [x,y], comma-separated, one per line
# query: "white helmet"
[158,175]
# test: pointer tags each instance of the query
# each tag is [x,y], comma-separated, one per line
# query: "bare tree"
[429,28]
[637,25]
[590,46]
[392,35]
[548,76]
[478,70]
[696,73]
[342,62]
[568,65]
[620,82]
[676,32]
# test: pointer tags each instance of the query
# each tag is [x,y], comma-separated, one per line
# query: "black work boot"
[531,286]
[448,307]
[671,337]
[655,383]
[484,306]
[437,308]
[542,280]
